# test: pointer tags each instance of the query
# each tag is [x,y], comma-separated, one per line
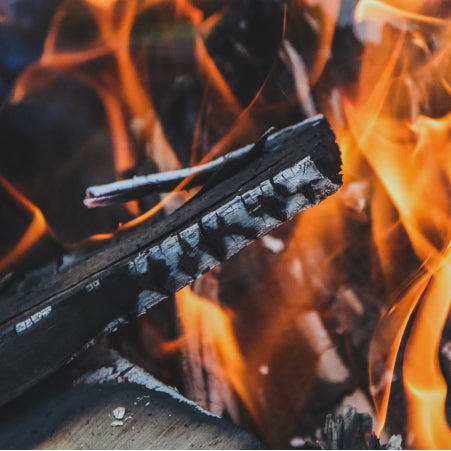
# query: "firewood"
[112,405]
[42,326]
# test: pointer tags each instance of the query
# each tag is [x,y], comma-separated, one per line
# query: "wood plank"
[58,415]
[43,326]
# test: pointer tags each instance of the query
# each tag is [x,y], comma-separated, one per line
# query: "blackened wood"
[42,326]
[354,430]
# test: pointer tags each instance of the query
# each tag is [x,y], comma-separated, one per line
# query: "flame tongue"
[405,150]
[36,229]
[425,386]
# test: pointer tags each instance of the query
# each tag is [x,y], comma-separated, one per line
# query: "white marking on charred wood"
[179,259]
[114,325]
[41,314]
[22,326]
[147,299]
[141,263]
[93,285]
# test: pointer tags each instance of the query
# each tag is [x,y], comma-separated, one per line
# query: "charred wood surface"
[43,325]
[354,430]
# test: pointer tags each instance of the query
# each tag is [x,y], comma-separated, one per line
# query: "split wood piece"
[114,406]
[42,327]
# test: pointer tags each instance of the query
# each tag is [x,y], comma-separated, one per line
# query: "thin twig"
[164,182]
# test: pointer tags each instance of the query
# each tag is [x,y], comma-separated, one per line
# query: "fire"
[201,317]
[406,150]
[425,386]
[123,92]
[113,39]
[393,126]
[36,229]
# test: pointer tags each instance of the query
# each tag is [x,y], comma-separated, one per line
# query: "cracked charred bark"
[44,324]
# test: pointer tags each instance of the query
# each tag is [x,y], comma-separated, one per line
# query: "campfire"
[272,278]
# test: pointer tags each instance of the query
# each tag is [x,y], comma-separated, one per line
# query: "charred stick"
[44,325]
[164,182]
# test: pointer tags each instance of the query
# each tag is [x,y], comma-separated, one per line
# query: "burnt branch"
[164,182]
[44,325]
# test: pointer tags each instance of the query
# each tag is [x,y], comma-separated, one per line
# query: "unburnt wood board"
[44,325]
[60,413]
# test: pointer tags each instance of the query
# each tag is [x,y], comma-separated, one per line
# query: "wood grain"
[57,415]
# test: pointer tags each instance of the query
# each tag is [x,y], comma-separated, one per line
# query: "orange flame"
[406,150]
[36,229]
[113,39]
[201,317]
[424,383]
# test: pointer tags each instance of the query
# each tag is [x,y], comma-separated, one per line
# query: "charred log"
[44,325]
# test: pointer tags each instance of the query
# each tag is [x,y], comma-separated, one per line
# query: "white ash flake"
[22,326]
[119,413]
[275,245]
[117,423]
[446,350]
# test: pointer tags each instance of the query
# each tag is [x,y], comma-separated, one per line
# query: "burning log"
[43,326]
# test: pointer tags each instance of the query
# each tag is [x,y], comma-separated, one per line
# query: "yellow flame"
[406,150]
